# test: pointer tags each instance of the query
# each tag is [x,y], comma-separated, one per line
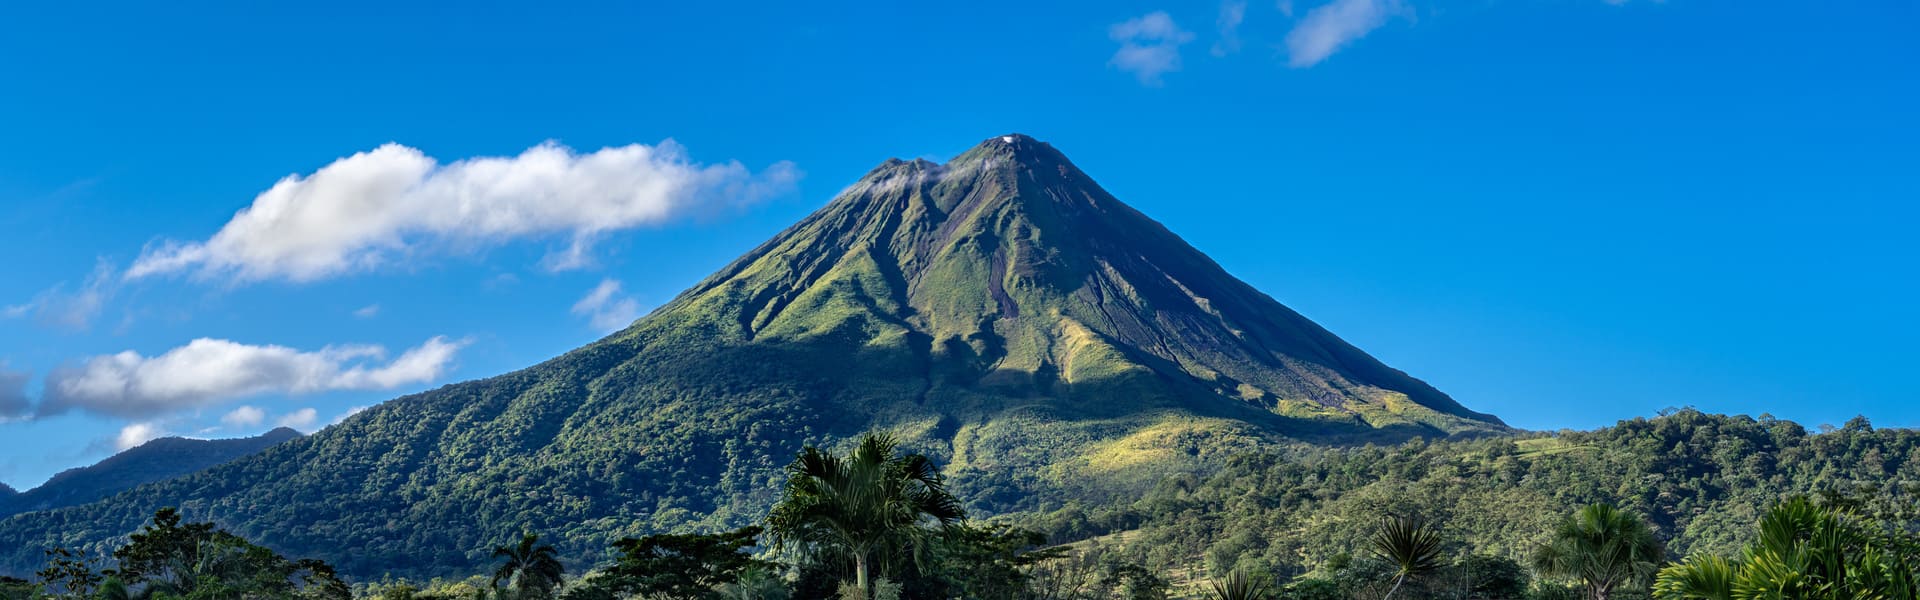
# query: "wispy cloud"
[606,309]
[73,309]
[367,312]
[207,371]
[394,203]
[1149,46]
[1330,27]
[1232,14]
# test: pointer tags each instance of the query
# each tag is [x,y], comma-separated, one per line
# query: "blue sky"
[1564,212]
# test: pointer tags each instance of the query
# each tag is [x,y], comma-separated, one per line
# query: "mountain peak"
[1014,148]
[1008,268]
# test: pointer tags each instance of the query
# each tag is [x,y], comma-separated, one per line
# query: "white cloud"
[207,371]
[393,203]
[367,312]
[136,434]
[302,419]
[1149,46]
[1334,25]
[606,308]
[75,309]
[245,416]
[1232,14]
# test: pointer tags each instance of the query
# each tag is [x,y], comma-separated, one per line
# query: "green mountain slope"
[1700,480]
[156,460]
[1002,311]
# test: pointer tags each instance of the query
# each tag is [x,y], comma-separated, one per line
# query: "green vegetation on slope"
[1701,481]
[1833,515]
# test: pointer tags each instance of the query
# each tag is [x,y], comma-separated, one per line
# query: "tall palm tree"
[872,500]
[1604,547]
[532,569]
[1409,544]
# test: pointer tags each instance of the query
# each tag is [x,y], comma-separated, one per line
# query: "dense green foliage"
[173,560]
[1808,552]
[1428,538]
[157,460]
[682,566]
[1700,481]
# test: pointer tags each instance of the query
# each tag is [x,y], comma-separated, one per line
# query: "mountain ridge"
[155,460]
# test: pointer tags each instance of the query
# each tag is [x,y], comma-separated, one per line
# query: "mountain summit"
[1008,272]
[1000,311]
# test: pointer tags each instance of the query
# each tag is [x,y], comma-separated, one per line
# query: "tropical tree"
[69,573]
[992,563]
[1805,552]
[531,569]
[873,500]
[681,566]
[1239,584]
[199,561]
[1409,544]
[1603,547]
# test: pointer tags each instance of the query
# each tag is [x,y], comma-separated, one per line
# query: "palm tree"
[533,569]
[1409,544]
[869,501]
[1238,584]
[1604,547]
[1803,551]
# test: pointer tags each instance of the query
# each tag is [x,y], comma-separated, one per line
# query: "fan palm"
[1238,584]
[872,500]
[1409,544]
[1604,547]
[533,569]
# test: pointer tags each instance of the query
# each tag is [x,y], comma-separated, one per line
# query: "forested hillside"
[1701,480]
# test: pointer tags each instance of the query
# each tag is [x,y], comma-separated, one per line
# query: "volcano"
[1000,312]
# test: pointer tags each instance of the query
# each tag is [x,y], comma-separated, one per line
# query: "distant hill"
[1001,311]
[156,460]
